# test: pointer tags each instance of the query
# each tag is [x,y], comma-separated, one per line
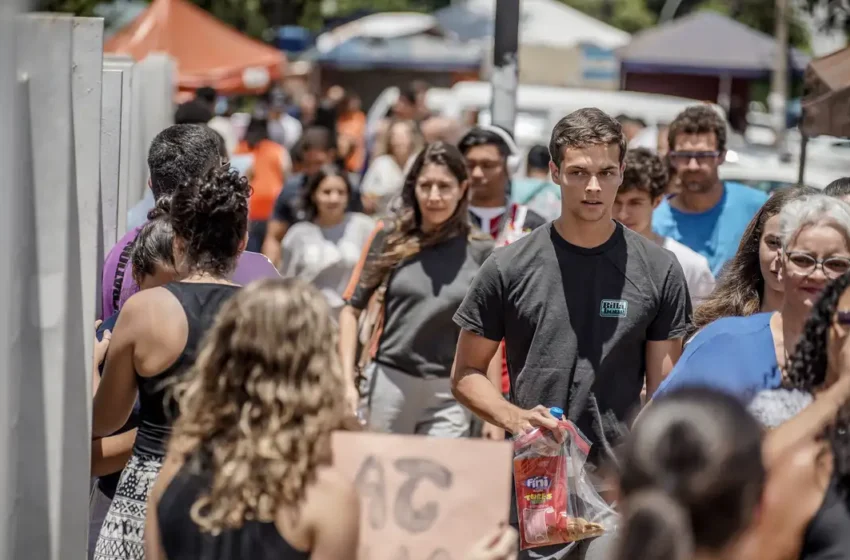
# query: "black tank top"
[200,303]
[182,539]
[828,535]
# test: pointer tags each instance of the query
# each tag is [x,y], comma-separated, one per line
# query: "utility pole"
[779,83]
[505,74]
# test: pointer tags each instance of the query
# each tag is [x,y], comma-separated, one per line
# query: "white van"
[539,107]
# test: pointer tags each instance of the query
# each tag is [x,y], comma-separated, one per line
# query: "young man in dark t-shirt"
[587,308]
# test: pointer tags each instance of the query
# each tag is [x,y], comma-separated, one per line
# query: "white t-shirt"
[225,128]
[326,257]
[384,180]
[695,266]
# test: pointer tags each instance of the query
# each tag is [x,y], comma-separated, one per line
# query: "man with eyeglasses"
[708,215]
[491,161]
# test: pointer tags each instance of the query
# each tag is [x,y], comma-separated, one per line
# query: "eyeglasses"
[832,267]
[686,157]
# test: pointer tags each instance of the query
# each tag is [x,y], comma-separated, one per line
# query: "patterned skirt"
[122,535]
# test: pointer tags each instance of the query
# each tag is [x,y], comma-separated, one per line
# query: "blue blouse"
[733,354]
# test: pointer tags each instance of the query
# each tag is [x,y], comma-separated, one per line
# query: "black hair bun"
[211,215]
[162,208]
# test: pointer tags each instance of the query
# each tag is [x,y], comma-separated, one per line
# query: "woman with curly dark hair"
[155,342]
[324,248]
[424,259]
[749,283]
[745,355]
[248,472]
[819,371]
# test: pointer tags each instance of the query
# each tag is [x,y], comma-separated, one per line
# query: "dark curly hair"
[308,205]
[644,171]
[808,367]
[698,119]
[210,215]
[740,288]
[180,152]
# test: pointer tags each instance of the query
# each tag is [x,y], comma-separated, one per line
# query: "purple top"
[118,283]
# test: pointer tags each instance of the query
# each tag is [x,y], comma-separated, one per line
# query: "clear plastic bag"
[556,503]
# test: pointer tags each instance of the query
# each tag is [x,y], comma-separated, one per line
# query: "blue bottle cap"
[557,412]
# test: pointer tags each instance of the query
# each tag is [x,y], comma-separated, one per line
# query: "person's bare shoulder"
[332,487]
[160,328]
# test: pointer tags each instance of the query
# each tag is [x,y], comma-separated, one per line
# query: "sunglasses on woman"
[832,267]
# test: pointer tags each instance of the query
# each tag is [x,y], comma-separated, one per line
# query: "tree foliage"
[634,15]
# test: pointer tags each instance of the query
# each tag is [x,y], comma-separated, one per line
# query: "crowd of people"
[694,330]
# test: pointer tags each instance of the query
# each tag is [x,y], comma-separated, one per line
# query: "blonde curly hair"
[261,402]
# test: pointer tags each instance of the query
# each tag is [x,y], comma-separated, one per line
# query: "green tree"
[245,15]
[760,14]
[83,8]
[837,14]
[628,15]
[632,15]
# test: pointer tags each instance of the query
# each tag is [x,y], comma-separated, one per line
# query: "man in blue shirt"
[708,215]
[537,190]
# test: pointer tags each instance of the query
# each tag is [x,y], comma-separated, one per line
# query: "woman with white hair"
[746,355]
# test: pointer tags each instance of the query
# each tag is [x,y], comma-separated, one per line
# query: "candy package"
[556,503]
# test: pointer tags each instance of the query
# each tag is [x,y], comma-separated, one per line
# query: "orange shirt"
[353,125]
[267,179]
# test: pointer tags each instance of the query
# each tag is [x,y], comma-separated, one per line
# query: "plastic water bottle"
[557,412]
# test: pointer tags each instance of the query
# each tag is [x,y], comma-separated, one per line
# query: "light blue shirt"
[733,354]
[540,195]
[714,234]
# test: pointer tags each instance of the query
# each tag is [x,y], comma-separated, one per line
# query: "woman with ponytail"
[692,479]
[156,340]
[152,260]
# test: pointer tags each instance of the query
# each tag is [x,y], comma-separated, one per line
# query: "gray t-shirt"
[419,336]
[576,321]
[325,257]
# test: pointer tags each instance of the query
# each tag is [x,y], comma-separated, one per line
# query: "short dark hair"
[585,127]
[193,112]
[314,138]
[179,153]
[645,172]
[839,187]
[698,119]
[206,93]
[483,137]
[538,158]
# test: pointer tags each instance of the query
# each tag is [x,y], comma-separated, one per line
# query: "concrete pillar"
[50,67]
[124,66]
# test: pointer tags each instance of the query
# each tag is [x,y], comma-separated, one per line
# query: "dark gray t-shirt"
[576,321]
[419,335]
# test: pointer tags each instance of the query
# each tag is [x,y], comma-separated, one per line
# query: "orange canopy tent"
[207,52]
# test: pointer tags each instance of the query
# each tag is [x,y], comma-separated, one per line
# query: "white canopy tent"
[559,45]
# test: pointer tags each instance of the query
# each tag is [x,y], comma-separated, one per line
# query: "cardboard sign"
[425,498]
